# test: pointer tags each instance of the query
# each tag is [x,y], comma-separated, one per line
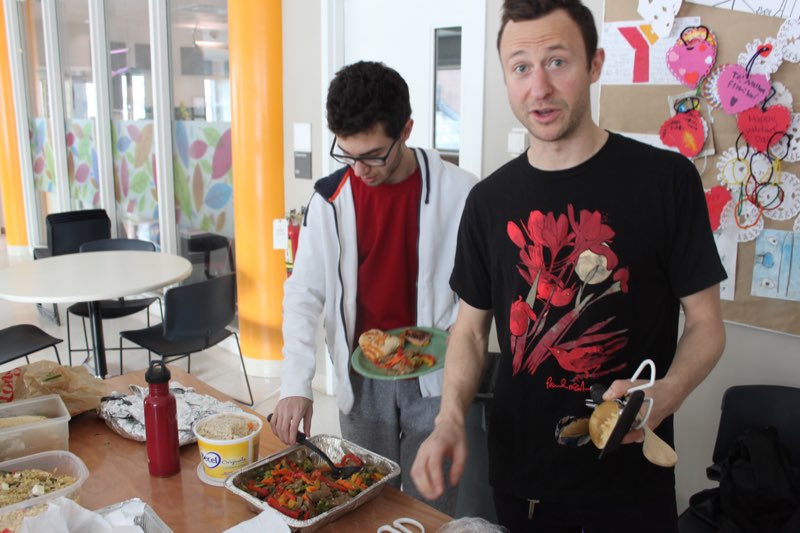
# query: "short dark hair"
[522,10]
[364,94]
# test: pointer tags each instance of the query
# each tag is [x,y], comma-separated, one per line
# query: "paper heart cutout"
[716,199]
[763,128]
[739,91]
[684,131]
[692,56]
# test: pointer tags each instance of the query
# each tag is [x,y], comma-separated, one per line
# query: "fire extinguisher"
[294,237]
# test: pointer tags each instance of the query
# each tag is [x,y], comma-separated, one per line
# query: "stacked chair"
[66,232]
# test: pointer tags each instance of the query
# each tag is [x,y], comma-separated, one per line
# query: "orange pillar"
[10,174]
[256,67]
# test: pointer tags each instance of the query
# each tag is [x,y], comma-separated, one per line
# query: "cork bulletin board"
[643,108]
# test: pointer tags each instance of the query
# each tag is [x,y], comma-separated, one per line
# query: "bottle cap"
[157,373]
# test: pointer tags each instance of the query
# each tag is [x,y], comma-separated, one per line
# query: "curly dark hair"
[522,10]
[364,94]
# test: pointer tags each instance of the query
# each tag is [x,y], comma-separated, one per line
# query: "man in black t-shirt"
[583,250]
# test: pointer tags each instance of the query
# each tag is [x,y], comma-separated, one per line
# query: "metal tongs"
[337,472]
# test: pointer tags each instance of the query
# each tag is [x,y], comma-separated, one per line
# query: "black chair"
[745,407]
[205,243]
[111,309]
[24,339]
[66,232]
[195,318]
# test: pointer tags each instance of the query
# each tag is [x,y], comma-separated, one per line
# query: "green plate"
[437,348]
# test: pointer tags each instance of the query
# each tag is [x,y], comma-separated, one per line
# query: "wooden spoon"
[656,450]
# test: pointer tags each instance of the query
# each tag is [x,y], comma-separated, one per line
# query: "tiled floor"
[218,367]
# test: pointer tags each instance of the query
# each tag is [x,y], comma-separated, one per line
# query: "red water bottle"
[161,423]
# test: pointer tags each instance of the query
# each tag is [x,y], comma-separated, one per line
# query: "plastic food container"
[49,434]
[335,448]
[57,462]
[221,457]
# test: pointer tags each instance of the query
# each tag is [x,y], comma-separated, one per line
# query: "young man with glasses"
[376,251]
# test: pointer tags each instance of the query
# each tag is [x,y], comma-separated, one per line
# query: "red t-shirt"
[387,225]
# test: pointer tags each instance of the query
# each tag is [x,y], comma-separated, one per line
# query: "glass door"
[133,149]
[201,98]
[80,105]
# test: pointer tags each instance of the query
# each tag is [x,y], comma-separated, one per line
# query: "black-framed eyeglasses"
[370,160]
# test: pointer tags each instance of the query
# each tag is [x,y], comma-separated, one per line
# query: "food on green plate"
[11,421]
[400,360]
[417,337]
[377,344]
[303,490]
[405,361]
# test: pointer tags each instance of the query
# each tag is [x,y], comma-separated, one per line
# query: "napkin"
[269,520]
[64,516]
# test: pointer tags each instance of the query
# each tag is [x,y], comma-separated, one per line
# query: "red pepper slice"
[351,459]
[292,513]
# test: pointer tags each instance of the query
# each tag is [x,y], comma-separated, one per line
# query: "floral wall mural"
[203,176]
[84,187]
[42,155]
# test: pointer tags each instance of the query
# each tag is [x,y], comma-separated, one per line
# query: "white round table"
[90,277]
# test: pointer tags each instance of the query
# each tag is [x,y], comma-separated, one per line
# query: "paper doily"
[790,206]
[749,215]
[709,88]
[789,149]
[733,170]
[766,63]
[782,96]
[789,40]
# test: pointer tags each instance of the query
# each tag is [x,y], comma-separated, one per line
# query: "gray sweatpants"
[391,418]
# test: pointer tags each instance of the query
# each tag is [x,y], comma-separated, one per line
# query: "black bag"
[759,489]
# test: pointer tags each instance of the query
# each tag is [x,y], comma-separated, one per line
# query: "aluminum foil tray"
[335,447]
[125,414]
[148,520]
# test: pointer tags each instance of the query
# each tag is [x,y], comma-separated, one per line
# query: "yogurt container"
[223,452]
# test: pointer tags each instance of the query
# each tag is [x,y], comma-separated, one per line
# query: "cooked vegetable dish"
[303,490]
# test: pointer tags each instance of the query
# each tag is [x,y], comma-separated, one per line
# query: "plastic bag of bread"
[77,387]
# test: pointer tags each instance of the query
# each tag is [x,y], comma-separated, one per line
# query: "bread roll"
[377,344]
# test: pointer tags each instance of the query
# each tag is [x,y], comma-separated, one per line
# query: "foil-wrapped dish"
[338,449]
[124,414]
[138,513]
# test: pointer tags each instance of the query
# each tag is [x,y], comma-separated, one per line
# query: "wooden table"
[91,277]
[118,471]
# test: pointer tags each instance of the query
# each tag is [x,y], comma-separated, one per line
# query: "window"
[447,93]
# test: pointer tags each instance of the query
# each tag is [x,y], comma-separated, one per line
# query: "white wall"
[302,92]
[751,356]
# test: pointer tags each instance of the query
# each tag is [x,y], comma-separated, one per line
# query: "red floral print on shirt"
[569,264]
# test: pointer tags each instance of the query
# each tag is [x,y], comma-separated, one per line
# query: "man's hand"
[663,403]
[287,416]
[448,439]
